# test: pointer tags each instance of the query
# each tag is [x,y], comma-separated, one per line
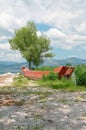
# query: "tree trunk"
[29,65]
[36,66]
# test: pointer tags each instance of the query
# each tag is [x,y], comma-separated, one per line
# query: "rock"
[8,102]
[59,111]
[7,79]
[1,126]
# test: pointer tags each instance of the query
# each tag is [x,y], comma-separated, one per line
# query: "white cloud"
[9,55]
[65,41]
[57,12]
[82,28]
[13,56]
[68,16]
[3,37]
[55,33]
[5,46]
[39,33]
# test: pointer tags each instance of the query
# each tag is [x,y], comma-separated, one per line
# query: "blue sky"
[63,21]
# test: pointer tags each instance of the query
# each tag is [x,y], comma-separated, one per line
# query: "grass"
[40,93]
[19,84]
[20,81]
[64,84]
[46,68]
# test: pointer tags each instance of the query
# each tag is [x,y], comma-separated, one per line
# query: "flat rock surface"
[6,79]
[43,109]
[39,108]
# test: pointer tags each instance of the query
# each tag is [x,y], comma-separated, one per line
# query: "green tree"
[42,50]
[32,47]
[68,64]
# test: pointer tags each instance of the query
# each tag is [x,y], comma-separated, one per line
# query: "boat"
[61,71]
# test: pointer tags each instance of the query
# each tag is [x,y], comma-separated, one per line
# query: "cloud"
[57,12]
[66,19]
[5,46]
[65,41]
[53,32]
[39,33]
[9,55]
[68,15]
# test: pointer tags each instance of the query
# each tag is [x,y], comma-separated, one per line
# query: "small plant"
[45,77]
[20,81]
[20,128]
[51,76]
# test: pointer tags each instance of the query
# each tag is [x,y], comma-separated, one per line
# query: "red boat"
[62,71]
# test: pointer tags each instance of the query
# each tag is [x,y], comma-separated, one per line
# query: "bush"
[81,79]
[51,76]
[81,75]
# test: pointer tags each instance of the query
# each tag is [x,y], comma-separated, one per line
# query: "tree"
[68,64]
[42,50]
[32,47]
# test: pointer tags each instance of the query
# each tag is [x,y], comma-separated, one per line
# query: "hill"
[14,67]
[57,62]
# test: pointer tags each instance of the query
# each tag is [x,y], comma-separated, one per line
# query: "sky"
[63,21]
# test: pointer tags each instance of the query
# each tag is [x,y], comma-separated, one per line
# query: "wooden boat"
[62,71]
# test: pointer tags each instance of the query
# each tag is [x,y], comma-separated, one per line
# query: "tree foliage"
[32,47]
[68,64]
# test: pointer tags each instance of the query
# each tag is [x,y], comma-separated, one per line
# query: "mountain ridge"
[15,67]
[72,60]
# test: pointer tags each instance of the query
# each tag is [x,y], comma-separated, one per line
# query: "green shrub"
[51,76]
[45,77]
[81,75]
[81,79]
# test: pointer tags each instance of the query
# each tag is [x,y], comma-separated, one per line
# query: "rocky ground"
[7,79]
[39,108]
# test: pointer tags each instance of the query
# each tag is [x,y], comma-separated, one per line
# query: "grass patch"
[20,81]
[63,84]
[19,84]
[7,90]
[46,68]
